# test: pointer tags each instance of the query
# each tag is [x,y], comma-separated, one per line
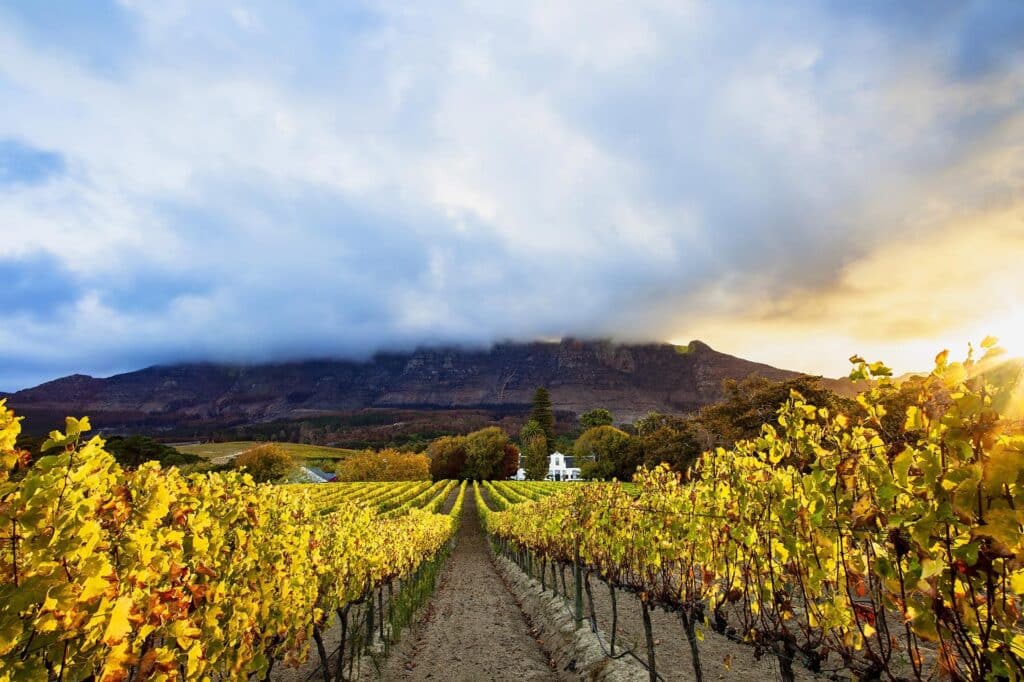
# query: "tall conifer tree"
[534,446]
[543,414]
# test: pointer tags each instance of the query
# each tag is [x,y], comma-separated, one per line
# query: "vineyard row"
[143,574]
[825,541]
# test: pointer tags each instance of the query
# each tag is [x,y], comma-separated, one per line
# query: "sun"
[1008,327]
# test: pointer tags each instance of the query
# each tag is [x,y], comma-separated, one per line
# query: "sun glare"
[1008,327]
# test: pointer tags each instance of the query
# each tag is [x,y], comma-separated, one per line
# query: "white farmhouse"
[560,468]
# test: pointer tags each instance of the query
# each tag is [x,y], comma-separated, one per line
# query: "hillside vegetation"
[222,451]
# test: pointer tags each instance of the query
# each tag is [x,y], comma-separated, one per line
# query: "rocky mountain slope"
[629,380]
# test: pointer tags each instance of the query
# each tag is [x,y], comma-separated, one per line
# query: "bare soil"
[473,628]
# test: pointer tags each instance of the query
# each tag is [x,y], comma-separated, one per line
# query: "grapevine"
[823,538]
[152,574]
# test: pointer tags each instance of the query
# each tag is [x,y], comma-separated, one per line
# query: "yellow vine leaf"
[119,626]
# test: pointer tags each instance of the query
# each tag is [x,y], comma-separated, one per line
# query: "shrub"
[384,465]
[265,463]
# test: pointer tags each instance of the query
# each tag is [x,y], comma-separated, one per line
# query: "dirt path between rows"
[473,628]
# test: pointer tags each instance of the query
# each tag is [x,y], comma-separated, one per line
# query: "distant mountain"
[629,380]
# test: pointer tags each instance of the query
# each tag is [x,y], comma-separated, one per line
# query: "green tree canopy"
[678,443]
[755,401]
[485,453]
[651,422]
[675,440]
[534,445]
[133,451]
[543,414]
[596,417]
[603,452]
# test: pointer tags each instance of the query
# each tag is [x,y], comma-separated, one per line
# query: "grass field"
[222,451]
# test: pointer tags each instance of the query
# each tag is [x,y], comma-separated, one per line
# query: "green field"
[223,451]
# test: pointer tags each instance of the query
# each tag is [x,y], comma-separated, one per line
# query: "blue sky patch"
[21,163]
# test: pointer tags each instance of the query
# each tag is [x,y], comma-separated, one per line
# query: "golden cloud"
[902,302]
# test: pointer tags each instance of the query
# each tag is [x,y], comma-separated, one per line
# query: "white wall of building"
[559,469]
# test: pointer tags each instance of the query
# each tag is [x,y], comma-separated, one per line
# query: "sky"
[791,182]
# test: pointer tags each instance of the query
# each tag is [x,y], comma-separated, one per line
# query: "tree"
[447,457]
[384,465]
[677,443]
[485,450]
[265,463]
[603,452]
[651,422]
[133,451]
[543,414]
[563,443]
[509,464]
[755,401]
[535,450]
[596,417]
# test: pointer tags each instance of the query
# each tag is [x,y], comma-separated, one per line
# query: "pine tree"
[543,414]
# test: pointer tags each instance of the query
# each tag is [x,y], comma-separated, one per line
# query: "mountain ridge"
[628,379]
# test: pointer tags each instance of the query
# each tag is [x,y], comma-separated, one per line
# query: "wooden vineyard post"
[369,620]
[649,635]
[590,601]
[325,664]
[577,590]
[343,617]
[690,627]
[380,610]
[615,616]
